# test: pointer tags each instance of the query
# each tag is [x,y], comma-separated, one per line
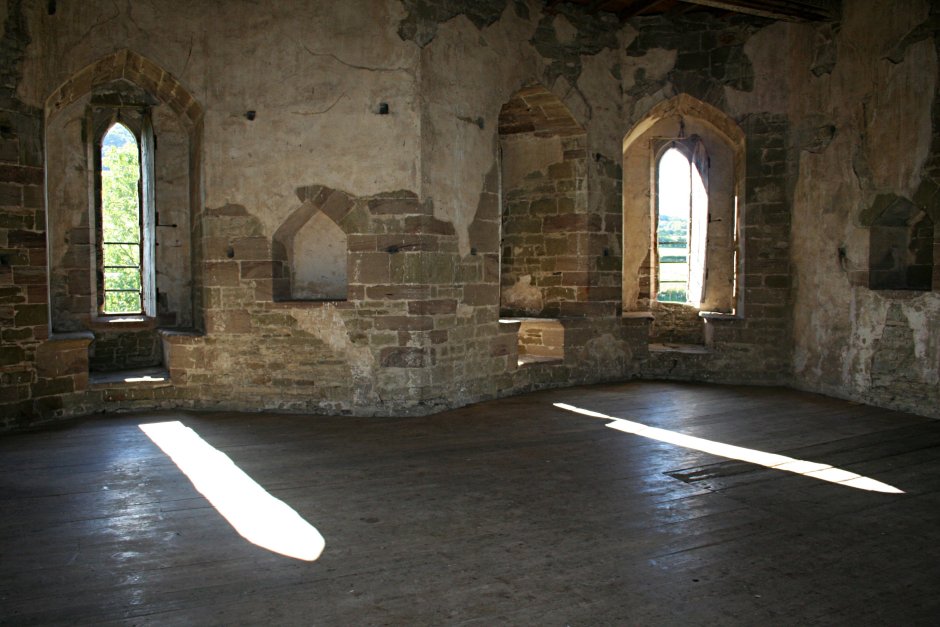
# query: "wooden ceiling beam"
[635,8]
[773,9]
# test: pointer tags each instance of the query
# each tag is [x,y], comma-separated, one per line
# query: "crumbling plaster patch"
[768,58]
[599,84]
[644,82]
[463,80]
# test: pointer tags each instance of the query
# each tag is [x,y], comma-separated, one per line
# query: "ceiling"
[789,10]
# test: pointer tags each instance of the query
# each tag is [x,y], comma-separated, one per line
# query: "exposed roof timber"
[635,8]
[775,9]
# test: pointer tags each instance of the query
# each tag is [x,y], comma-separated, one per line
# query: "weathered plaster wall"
[873,82]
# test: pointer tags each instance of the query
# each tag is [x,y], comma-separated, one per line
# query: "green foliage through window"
[120,221]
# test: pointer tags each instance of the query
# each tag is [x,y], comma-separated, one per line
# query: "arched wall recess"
[309,249]
[675,119]
[545,226]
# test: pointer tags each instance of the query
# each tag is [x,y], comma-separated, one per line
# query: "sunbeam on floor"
[824,472]
[256,515]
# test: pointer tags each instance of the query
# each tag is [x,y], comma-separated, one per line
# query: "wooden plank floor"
[507,512]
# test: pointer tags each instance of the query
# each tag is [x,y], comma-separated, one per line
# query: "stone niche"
[901,247]
[309,250]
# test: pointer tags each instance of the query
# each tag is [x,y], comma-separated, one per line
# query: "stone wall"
[384,123]
[866,108]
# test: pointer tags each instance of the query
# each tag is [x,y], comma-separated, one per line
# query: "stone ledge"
[339,303]
[719,315]
[637,315]
[144,377]
[688,349]
[531,360]
[122,323]
[73,339]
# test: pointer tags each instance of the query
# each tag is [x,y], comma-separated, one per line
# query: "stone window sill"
[719,315]
[530,360]
[144,377]
[688,349]
[122,323]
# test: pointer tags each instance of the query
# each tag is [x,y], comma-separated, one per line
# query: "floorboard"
[507,512]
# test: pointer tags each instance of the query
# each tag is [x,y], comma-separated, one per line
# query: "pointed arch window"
[125,216]
[681,222]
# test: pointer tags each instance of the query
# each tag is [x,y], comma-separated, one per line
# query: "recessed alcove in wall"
[545,225]
[309,251]
[901,247]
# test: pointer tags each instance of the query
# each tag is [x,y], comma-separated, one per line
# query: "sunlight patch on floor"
[256,515]
[815,470]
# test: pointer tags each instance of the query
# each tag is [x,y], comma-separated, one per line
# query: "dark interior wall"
[387,122]
[869,166]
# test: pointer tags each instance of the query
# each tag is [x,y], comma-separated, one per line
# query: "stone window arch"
[124,88]
[714,144]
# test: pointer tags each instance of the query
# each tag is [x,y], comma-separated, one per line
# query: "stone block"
[428,224]
[10,355]
[220,274]
[369,268]
[53,387]
[432,307]
[53,361]
[398,292]
[404,323]
[17,238]
[572,223]
[480,294]
[399,203]
[361,243]
[337,205]
[251,248]
[256,270]
[30,315]
[544,207]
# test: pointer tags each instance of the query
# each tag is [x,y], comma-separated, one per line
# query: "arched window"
[122,283]
[684,164]
[682,223]
[125,220]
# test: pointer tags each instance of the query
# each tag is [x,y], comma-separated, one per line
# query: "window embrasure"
[683,211]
